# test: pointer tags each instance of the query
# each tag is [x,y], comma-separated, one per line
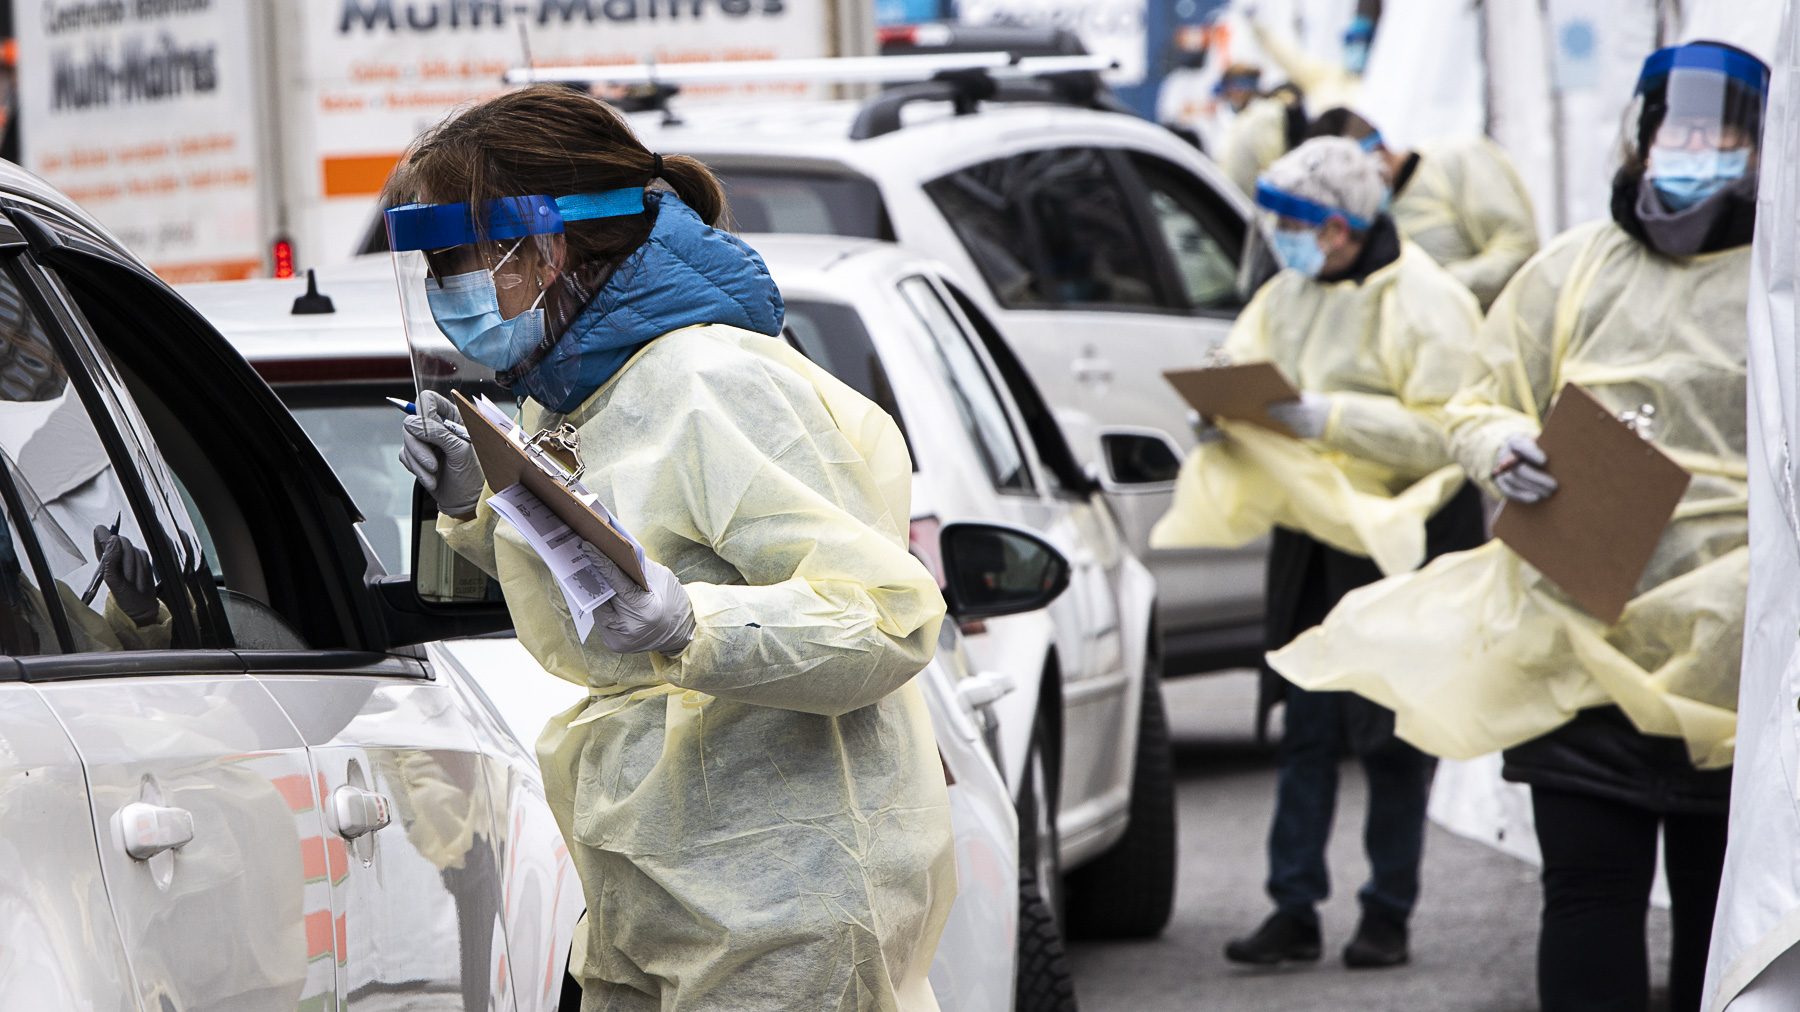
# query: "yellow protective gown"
[1389,352]
[1325,83]
[1253,140]
[1477,652]
[760,821]
[1466,206]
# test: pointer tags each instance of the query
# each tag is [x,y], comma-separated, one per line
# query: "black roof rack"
[966,90]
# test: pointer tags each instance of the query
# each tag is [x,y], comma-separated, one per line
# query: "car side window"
[978,406]
[1196,228]
[61,483]
[1051,228]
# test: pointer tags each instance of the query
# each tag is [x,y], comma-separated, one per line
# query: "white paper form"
[570,559]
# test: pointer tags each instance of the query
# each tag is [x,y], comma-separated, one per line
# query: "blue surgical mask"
[1299,251]
[1683,178]
[467,309]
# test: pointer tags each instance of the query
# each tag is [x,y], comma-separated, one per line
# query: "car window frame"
[355,616]
[70,338]
[1138,190]
[1036,484]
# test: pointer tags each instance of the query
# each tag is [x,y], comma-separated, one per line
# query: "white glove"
[1519,470]
[1305,417]
[1203,428]
[635,620]
[436,449]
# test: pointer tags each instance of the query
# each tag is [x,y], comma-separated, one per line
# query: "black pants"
[1599,863]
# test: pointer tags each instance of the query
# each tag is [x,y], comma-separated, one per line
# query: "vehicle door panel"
[61,944]
[420,897]
[241,916]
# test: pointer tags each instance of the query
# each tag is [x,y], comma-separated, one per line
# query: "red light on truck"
[284,258]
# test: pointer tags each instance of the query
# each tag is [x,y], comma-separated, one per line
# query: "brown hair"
[553,141]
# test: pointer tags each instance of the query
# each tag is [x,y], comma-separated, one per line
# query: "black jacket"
[1308,578]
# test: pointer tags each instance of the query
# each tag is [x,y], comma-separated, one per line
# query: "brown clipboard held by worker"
[1241,393]
[552,474]
[1615,494]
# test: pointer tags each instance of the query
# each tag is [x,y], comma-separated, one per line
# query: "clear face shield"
[1698,114]
[485,298]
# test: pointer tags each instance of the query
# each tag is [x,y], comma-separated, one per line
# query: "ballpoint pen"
[93,587]
[407,406]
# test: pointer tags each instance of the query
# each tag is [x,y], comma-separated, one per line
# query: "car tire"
[1045,983]
[1129,891]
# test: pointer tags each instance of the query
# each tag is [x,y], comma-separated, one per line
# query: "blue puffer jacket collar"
[687,273]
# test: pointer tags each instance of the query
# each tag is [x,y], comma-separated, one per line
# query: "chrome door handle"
[147,830]
[355,812]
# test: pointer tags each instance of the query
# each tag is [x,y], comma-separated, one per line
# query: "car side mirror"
[1138,460]
[992,570]
[444,596]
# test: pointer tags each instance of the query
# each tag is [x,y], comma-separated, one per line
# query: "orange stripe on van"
[312,859]
[209,270]
[357,175]
[318,934]
[296,790]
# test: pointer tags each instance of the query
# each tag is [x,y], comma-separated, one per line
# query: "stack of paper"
[571,560]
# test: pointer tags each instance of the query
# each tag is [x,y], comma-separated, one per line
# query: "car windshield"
[833,336]
[805,203]
[361,440]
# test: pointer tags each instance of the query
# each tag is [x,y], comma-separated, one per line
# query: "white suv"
[1104,247]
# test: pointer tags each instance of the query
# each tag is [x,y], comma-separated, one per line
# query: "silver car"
[267,796]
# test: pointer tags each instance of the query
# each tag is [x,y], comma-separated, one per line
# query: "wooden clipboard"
[506,463]
[1238,392]
[1615,494]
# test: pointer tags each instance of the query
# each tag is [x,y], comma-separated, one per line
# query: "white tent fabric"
[1422,41]
[1759,899]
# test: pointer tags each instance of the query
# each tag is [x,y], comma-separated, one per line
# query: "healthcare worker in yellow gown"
[751,790]
[1459,198]
[1377,338]
[1622,732]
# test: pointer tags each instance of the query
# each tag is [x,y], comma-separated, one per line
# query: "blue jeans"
[1312,745]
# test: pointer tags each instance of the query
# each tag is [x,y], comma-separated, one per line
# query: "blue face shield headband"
[1300,251]
[466,304]
[1728,63]
[1291,205]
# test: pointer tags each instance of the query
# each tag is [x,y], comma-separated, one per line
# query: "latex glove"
[127,571]
[1203,428]
[635,620]
[435,447]
[1305,417]
[1519,470]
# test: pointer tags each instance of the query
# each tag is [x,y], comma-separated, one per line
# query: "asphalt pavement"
[1474,933]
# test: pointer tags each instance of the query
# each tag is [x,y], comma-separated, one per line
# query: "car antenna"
[312,302]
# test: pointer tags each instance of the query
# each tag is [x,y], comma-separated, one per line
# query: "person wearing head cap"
[1625,733]
[1377,337]
[751,789]
[1460,199]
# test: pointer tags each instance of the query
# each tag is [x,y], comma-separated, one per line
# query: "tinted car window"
[62,484]
[832,335]
[805,203]
[1051,228]
[979,407]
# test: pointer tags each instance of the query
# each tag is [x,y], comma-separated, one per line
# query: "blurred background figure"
[1377,336]
[1460,199]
